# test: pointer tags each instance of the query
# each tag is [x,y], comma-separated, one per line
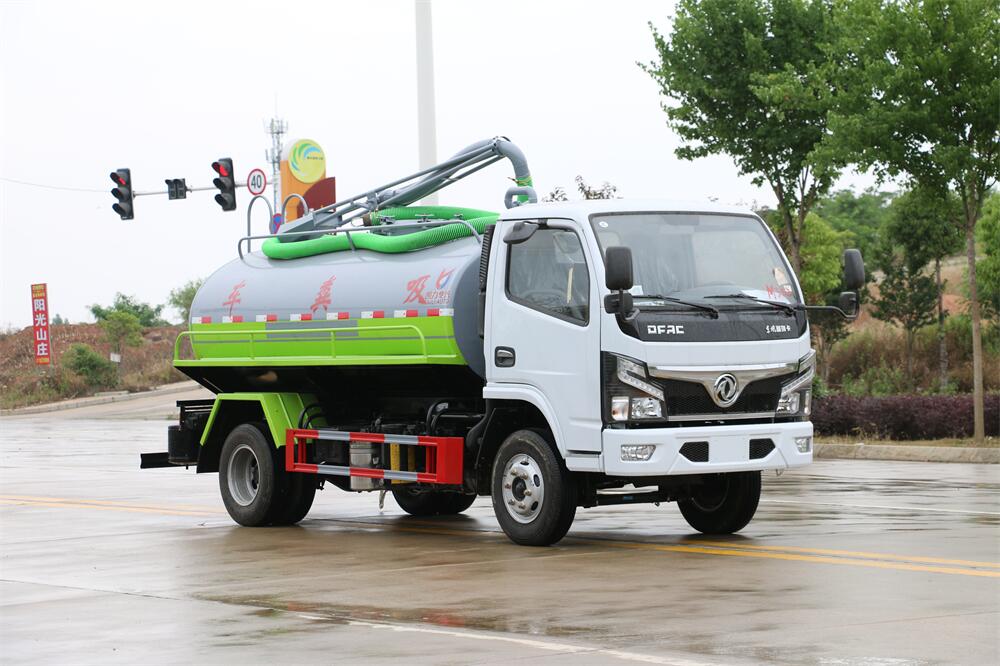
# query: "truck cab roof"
[583,209]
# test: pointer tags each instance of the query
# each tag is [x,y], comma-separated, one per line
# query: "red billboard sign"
[40,323]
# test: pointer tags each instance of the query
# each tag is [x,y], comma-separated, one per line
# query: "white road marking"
[881,506]
[526,642]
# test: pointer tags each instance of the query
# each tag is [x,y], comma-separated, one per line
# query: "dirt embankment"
[23,383]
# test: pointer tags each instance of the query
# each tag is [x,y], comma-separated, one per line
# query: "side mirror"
[520,232]
[618,268]
[854,270]
[618,278]
[848,303]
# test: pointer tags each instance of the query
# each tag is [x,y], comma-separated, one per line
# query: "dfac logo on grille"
[726,390]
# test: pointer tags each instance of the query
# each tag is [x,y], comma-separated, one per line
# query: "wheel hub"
[523,488]
[243,475]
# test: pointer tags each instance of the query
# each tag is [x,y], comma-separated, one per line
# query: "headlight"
[796,395]
[629,394]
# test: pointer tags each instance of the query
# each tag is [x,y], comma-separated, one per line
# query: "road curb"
[168,389]
[862,451]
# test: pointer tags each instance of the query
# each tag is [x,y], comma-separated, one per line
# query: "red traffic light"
[116,178]
[221,169]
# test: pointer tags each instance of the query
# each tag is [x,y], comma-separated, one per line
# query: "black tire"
[723,504]
[301,493]
[430,503]
[535,472]
[253,486]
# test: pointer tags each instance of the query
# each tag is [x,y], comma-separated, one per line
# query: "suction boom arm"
[414,187]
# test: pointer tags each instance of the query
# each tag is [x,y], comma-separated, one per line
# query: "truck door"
[542,327]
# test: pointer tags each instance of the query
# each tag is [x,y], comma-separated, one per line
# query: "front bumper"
[728,449]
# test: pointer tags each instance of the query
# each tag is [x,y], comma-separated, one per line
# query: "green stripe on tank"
[401,341]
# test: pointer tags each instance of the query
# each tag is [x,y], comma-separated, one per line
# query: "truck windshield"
[695,256]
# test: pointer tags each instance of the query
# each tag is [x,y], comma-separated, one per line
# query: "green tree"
[861,215]
[181,298]
[820,279]
[58,320]
[906,296]
[733,69]
[605,191]
[147,314]
[122,329]
[988,266]
[922,222]
[916,95]
[96,370]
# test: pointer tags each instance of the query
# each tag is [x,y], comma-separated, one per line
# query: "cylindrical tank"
[388,305]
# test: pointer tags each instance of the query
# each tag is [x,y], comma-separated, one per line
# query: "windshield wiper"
[670,299]
[787,307]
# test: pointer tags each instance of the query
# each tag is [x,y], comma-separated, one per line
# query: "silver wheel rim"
[243,475]
[523,488]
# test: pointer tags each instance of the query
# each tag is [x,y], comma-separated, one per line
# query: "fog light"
[807,402]
[637,452]
[804,444]
[789,404]
[646,408]
[619,408]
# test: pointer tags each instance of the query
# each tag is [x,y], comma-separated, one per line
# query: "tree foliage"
[122,329]
[146,314]
[860,215]
[733,69]
[988,268]
[604,191]
[96,370]
[181,298]
[821,254]
[916,95]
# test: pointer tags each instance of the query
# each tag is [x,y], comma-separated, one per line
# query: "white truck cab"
[658,340]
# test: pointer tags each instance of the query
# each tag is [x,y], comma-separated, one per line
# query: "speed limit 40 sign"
[256,182]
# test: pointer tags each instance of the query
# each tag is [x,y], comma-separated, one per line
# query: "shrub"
[96,370]
[902,416]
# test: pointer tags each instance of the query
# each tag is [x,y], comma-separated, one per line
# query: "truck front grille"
[692,399]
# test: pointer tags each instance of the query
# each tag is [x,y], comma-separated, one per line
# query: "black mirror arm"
[834,309]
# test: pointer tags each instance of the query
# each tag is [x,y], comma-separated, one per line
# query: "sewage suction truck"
[553,356]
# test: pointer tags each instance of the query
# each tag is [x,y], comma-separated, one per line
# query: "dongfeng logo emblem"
[727,389]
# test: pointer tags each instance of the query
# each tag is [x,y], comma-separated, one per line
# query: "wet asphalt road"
[846,562]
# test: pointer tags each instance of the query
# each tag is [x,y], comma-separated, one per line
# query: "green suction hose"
[385,243]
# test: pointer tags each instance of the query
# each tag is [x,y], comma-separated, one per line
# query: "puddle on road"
[335,614]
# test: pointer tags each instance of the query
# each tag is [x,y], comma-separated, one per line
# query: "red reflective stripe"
[206,320]
[411,313]
[272,317]
[434,312]
[378,314]
[306,467]
[343,315]
[374,437]
[307,316]
[368,473]
[427,478]
[237,319]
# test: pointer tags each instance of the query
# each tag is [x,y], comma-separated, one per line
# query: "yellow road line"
[847,553]
[877,564]
[724,548]
[110,503]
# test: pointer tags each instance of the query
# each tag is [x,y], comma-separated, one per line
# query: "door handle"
[504,357]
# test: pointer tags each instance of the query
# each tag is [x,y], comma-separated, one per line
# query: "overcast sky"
[166,88]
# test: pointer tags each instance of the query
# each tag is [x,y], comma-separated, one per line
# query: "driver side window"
[548,272]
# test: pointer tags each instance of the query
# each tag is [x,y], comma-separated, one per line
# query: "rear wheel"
[255,487]
[534,495]
[723,504]
[431,503]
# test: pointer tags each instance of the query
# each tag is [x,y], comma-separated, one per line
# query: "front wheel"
[723,504]
[534,495]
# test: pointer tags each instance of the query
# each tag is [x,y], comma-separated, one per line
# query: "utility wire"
[50,187]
